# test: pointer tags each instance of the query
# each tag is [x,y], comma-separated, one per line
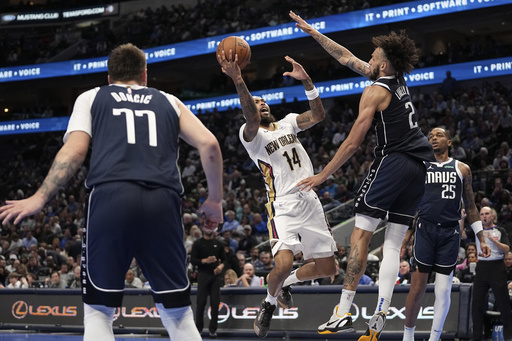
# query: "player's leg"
[341,320]
[442,290]
[160,240]
[413,302]
[105,258]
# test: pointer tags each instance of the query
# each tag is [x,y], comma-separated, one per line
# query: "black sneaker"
[263,318]
[284,298]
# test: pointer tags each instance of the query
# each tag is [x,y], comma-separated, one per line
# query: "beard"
[267,120]
[375,74]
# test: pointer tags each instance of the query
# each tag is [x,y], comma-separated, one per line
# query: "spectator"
[55,281]
[131,281]
[248,278]
[230,278]
[231,242]
[75,282]
[404,273]
[241,261]
[467,275]
[247,241]
[230,222]
[28,240]
[14,282]
[449,86]
[267,262]
[259,227]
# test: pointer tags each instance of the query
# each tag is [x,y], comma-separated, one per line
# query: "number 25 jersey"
[280,156]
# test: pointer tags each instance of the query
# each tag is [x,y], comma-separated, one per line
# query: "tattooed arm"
[468,198]
[339,52]
[69,158]
[247,102]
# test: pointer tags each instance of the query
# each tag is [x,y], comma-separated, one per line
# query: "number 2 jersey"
[280,156]
[131,127]
[396,127]
[442,200]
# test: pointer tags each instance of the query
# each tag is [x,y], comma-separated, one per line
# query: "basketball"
[239,47]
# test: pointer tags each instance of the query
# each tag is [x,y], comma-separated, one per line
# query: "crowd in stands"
[45,248]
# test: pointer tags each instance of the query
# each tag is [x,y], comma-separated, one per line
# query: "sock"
[347,296]
[271,299]
[442,290]
[98,323]
[409,333]
[179,323]
[292,278]
[390,264]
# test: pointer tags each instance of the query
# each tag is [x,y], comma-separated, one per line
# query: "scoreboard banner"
[334,23]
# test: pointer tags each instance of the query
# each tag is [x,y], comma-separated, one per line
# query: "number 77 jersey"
[280,156]
[134,134]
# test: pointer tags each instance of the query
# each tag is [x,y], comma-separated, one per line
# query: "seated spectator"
[241,260]
[404,273]
[14,282]
[230,223]
[132,282]
[267,261]
[231,242]
[255,257]
[467,275]
[248,278]
[75,281]
[259,227]
[470,248]
[247,241]
[55,281]
[28,240]
[230,278]
[231,259]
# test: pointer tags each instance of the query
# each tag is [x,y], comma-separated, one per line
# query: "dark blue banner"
[334,23]
[336,88]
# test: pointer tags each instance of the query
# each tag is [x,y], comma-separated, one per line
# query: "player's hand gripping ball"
[239,47]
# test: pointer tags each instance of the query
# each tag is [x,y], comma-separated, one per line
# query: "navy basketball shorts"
[127,220]
[393,187]
[436,247]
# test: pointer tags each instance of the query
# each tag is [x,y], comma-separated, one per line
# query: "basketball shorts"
[393,187]
[297,222]
[436,247]
[127,220]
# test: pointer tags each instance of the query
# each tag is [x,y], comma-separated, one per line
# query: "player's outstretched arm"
[69,158]
[230,67]
[197,135]
[317,112]
[337,51]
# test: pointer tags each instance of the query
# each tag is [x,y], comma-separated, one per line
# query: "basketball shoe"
[375,327]
[263,318]
[337,324]
[284,298]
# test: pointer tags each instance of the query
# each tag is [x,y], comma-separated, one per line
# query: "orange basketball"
[239,47]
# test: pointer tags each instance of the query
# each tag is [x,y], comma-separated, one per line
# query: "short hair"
[400,50]
[126,63]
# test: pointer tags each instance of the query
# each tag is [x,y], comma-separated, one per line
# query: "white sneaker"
[337,324]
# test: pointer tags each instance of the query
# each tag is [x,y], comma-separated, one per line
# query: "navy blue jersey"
[442,200]
[397,127]
[134,137]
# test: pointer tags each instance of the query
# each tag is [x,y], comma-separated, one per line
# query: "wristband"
[477,227]
[312,94]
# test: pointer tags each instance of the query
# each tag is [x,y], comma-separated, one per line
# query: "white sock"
[271,299]
[347,296]
[98,323]
[442,290]
[409,333]
[390,264]
[179,323]
[291,279]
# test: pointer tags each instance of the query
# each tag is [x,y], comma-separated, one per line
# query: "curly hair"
[400,50]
